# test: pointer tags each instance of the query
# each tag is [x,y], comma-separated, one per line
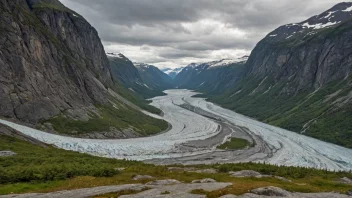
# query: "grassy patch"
[34,163]
[234,144]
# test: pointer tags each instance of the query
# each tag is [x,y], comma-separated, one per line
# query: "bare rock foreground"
[163,188]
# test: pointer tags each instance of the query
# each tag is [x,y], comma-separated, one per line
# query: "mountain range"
[59,78]
[298,77]
[172,72]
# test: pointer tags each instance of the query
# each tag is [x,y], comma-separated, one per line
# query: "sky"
[174,33]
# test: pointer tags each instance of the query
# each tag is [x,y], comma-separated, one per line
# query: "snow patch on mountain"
[141,65]
[349,9]
[115,55]
[226,62]
[174,71]
[320,25]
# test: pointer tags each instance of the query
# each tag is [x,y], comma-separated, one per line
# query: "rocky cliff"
[298,77]
[52,63]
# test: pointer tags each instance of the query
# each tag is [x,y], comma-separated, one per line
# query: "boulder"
[282,179]
[349,193]
[244,173]
[345,180]
[7,153]
[271,191]
[209,170]
[206,180]
[119,169]
[164,182]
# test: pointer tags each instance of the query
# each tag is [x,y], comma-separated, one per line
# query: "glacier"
[290,148]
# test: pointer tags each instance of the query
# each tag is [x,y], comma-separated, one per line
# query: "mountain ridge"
[301,81]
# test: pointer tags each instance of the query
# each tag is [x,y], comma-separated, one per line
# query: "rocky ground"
[173,189]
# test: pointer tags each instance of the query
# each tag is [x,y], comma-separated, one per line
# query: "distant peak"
[115,55]
[329,19]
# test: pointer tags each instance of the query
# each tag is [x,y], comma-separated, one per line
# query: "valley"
[200,102]
[194,135]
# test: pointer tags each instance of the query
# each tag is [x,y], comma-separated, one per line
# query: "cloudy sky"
[172,33]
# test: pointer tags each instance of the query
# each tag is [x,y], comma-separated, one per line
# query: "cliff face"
[299,77]
[54,74]
[51,61]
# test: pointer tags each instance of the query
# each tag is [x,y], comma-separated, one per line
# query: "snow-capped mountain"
[299,77]
[333,17]
[218,63]
[172,72]
[211,76]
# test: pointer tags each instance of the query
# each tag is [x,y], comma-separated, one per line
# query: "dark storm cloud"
[175,30]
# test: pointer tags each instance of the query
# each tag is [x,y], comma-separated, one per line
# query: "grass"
[34,163]
[235,144]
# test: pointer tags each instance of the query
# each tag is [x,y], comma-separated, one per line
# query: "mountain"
[298,77]
[153,77]
[172,72]
[54,74]
[128,75]
[212,77]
